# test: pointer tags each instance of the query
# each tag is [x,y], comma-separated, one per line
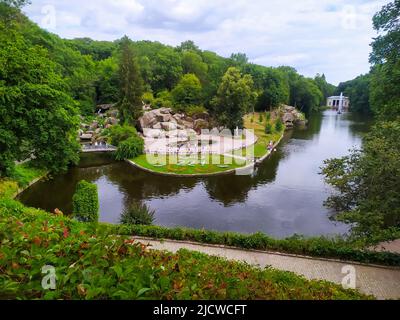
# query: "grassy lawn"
[191,165]
[251,121]
[23,175]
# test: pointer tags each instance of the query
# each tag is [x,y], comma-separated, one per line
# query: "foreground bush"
[86,202]
[118,134]
[137,213]
[129,149]
[92,265]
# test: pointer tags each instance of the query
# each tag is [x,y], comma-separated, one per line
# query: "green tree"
[368,192]
[367,180]
[385,57]
[85,202]
[274,90]
[38,117]
[239,59]
[235,97]
[188,45]
[188,92]
[162,65]
[193,63]
[118,134]
[304,92]
[130,148]
[306,95]
[131,84]
[326,88]
[98,50]
[358,90]
[107,84]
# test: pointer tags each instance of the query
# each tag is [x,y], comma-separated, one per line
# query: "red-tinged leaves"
[37,241]
[65,232]
[15,265]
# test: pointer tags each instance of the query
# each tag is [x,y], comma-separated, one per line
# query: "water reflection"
[284,197]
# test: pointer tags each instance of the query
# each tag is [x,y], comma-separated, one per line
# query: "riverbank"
[25,176]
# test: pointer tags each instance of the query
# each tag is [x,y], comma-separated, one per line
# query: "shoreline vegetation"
[323,247]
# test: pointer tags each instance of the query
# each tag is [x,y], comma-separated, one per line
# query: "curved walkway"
[220,144]
[381,282]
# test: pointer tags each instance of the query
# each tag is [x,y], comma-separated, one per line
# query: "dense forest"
[46,82]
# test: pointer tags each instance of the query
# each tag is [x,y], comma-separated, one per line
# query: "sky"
[314,36]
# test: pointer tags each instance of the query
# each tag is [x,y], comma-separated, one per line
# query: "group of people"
[271,146]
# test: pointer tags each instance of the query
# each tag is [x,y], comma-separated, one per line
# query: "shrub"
[118,134]
[338,248]
[148,98]
[268,116]
[195,110]
[137,213]
[163,100]
[95,266]
[279,125]
[268,128]
[86,202]
[260,118]
[130,148]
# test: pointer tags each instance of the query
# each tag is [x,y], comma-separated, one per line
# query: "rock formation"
[167,120]
[291,117]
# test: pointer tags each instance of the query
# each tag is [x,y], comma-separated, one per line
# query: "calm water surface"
[283,198]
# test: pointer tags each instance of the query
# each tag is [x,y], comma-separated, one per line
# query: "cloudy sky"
[314,36]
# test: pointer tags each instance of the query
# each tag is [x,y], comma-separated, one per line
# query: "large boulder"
[289,109]
[165,111]
[153,133]
[112,121]
[178,116]
[86,136]
[204,116]
[148,120]
[157,126]
[168,126]
[94,125]
[187,124]
[165,117]
[200,124]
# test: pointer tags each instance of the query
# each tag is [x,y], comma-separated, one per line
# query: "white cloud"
[311,35]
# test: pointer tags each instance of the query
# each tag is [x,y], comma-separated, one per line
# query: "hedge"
[130,148]
[336,248]
[86,202]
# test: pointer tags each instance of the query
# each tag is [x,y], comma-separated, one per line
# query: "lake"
[284,197]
